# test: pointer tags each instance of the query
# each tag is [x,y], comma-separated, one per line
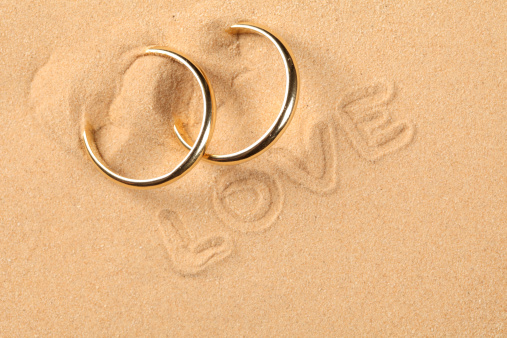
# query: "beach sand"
[380,212]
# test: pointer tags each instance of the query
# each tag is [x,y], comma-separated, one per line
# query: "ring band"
[284,117]
[196,151]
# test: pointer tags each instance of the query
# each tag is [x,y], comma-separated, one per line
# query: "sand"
[380,212]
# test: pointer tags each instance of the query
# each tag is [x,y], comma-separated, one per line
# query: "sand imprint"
[316,169]
[189,255]
[248,200]
[363,115]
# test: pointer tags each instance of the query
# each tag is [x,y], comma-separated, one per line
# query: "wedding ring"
[196,151]
[284,117]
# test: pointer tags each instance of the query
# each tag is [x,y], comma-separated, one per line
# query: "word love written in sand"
[252,200]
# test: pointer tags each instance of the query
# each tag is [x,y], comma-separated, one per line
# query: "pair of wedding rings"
[197,151]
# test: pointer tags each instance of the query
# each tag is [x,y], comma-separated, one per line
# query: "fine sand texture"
[382,210]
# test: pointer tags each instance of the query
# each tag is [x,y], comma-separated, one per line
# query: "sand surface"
[381,211]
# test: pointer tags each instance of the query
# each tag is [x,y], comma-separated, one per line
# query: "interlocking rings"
[198,149]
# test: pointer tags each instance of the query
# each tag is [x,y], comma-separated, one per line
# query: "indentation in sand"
[314,168]
[363,114]
[248,200]
[190,255]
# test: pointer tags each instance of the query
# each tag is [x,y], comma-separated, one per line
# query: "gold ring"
[284,117]
[196,151]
